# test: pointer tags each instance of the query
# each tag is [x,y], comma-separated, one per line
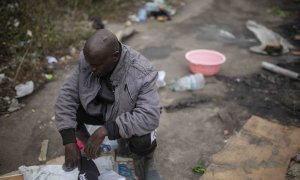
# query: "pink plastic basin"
[207,62]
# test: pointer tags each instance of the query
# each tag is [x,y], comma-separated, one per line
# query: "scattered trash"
[53,118]
[225,141]
[72,50]
[297,37]
[2,77]
[199,169]
[111,175]
[126,167]
[162,18]
[14,105]
[29,33]
[16,23]
[97,23]
[142,15]
[237,133]
[24,89]
[189,83]
[51,60]
[49,69]
[124,170]
[226,132]
[157,9]
[186,103]
[33,110]
[162,13]
[134,18]
[49,76]
[7,99]
[125,34]
[280,70]
[161,79]
[297,157]
[271,42]
[43,153]
[226,34]
[105,148]
[128,23]
[152,7]
[47,172]
[238,80]
[65,59]
[296,53]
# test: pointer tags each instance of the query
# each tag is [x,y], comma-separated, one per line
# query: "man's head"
[102,52]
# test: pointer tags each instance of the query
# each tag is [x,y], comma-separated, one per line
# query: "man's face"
[102,65]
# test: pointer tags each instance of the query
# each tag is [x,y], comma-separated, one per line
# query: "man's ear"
[116,56]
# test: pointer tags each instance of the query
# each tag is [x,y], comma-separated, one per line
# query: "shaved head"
[102,50]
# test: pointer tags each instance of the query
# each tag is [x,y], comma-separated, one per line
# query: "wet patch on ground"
[267,94]
[292,32]
[155,53]
[187,103]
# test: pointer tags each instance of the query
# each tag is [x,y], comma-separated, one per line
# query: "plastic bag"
[24,89]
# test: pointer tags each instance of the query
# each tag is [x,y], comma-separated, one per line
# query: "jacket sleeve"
[144,118]
[66,107]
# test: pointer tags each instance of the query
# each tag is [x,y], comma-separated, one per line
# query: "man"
[114,86]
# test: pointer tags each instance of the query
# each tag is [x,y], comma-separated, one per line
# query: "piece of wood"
[262,150]
[57,161]
[17,176]
[44,148]
[280,70]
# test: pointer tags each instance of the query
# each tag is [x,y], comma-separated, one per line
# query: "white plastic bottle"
[189,83]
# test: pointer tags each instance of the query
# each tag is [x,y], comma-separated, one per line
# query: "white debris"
[161,79]
[51,60]
[7,99]
[24,89]
[271,42]
[2,77]
[16,23]
[29,33]
[226,34]
[14,105]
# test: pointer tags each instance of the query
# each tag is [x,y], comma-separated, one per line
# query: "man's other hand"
[72,157]
[94,142]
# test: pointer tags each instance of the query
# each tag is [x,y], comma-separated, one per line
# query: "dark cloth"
[142,145]
[88,170]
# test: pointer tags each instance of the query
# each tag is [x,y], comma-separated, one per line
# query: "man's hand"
[94,143]
[72,157]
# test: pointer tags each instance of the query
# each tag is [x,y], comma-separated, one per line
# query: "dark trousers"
[140,145]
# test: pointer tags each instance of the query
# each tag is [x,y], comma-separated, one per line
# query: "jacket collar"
[121,67]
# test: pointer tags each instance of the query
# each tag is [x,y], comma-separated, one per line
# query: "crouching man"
[113,86]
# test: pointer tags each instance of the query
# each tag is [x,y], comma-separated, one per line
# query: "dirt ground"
[188,135]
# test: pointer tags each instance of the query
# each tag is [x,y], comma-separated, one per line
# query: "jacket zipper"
[126,88]
[113,107]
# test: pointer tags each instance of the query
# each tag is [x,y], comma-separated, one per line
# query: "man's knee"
[143,145]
